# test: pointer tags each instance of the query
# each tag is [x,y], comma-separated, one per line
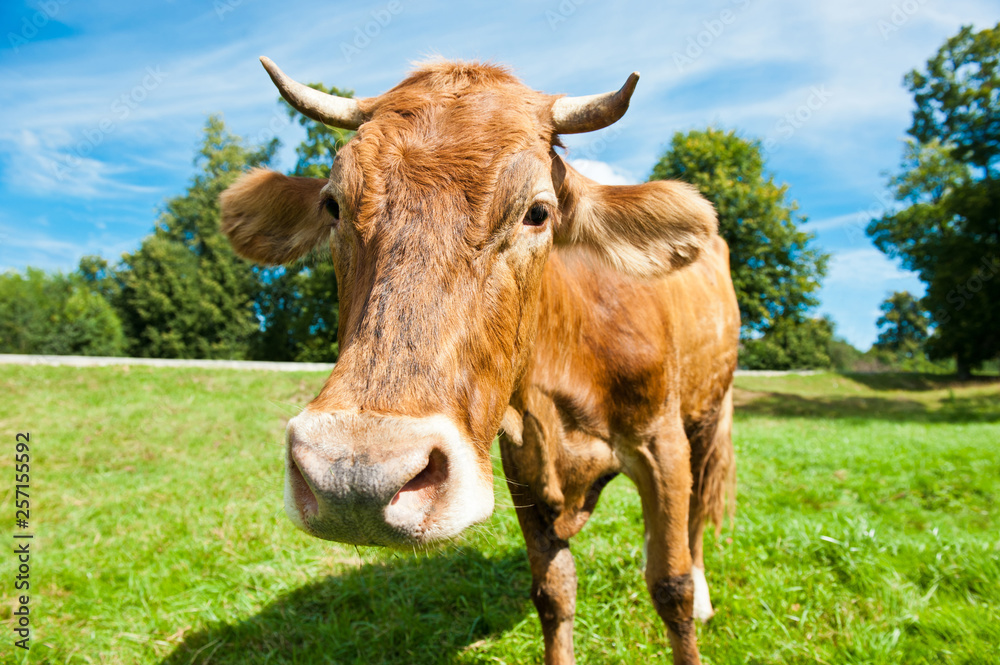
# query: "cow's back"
[705,324]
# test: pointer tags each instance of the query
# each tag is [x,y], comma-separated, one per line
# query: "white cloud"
[22,245]
[839,222]
[50,163]
[865,268]
[602,172]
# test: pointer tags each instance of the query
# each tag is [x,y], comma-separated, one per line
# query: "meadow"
[867,531]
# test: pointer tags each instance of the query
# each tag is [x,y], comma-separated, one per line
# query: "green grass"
[867,531]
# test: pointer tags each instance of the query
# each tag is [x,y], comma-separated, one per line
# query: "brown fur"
[605,339]
[610,352]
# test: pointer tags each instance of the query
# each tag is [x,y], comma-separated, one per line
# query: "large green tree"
[948,229]
[775,269]
[184,293]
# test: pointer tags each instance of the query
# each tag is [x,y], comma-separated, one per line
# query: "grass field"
[867,531]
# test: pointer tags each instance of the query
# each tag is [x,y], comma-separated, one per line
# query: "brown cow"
[485,283]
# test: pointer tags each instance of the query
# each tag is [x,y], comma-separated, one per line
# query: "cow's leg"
[697,516]
[526,446]
[713,473]
[553,584]
[661,469]
[703,610]
[696,531]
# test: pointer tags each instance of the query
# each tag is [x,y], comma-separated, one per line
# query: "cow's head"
[441,214]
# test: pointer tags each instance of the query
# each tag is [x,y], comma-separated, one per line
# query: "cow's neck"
[566,361]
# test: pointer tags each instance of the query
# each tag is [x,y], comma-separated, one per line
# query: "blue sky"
[102,103]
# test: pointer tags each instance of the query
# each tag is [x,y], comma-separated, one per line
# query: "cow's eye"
[332,207]
[536,215]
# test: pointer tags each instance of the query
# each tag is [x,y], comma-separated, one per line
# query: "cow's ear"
[274,219]
[646,230]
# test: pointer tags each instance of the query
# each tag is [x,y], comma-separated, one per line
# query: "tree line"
[183,293]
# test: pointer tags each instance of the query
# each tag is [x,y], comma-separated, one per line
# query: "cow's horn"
[572,115]
[331,110]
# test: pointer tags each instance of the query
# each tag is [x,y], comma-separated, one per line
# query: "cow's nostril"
[424,483]
[305,499]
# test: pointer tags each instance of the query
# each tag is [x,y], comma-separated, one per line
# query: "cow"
[487,286]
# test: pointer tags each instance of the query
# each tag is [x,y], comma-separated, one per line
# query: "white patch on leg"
[702,603]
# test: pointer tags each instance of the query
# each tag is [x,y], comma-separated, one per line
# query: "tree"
[184,293]
[775,270]
[903,326]
[790,344]
[949,228]
[957,98]
[298,304]
[298,309]
[98,276]
[844,357]
[56,314]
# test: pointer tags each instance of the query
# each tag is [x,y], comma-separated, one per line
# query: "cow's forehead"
[450,104]
[442,141]
[441,79]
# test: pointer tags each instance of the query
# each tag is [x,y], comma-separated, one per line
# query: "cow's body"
[628,376]
[484,284]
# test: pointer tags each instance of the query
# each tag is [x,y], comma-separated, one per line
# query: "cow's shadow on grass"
[410,610]
[917,381]
[956,408]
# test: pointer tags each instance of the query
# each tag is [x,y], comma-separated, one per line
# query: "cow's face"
[441,214]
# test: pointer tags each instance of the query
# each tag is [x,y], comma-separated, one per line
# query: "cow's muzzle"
[370,479]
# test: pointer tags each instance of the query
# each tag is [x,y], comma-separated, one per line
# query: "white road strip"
[104,361]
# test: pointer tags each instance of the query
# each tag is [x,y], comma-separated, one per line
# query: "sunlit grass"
[867,532]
